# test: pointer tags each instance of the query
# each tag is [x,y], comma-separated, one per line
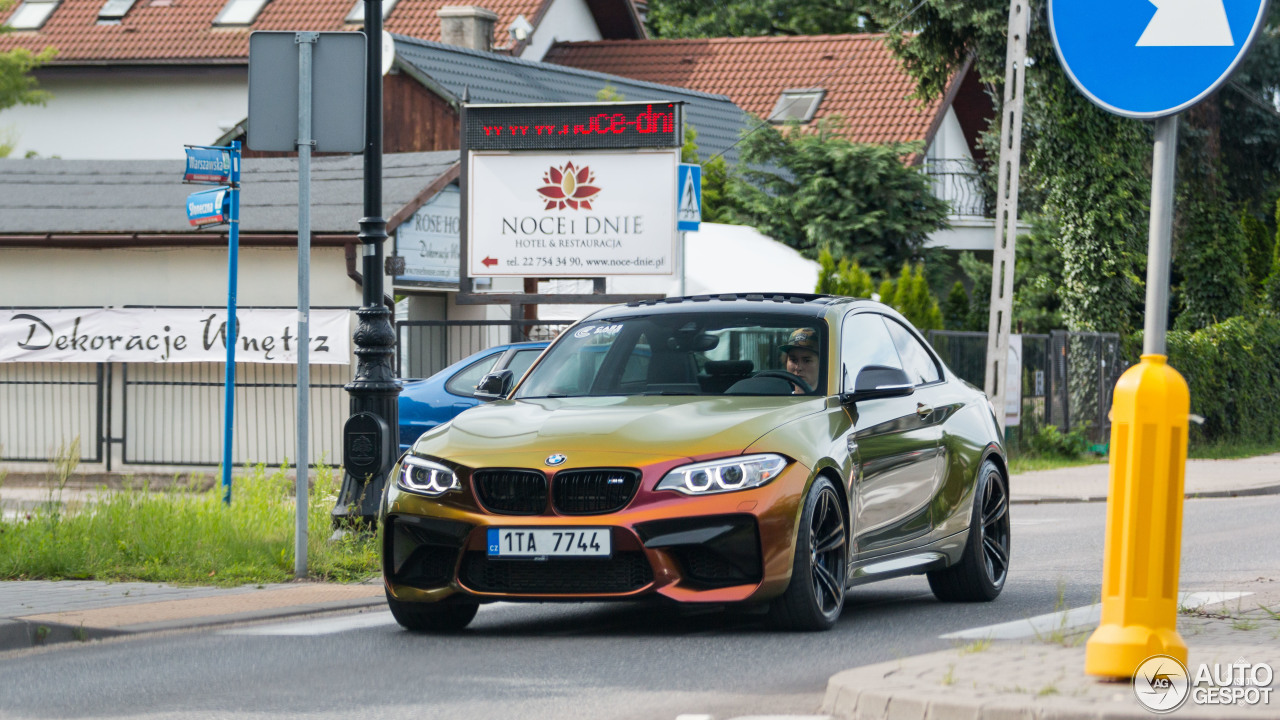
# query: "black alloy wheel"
[995,528]
[815,597]
[442,617]
[984,563]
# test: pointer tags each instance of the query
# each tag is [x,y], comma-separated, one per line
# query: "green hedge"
[1233,370]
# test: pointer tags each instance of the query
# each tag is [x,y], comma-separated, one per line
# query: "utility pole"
[1002,262]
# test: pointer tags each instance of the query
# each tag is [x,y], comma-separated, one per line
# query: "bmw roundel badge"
[557,459]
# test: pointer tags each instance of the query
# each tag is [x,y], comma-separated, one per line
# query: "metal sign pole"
[305,42]
[683,257]
[1160,236]
[233,268]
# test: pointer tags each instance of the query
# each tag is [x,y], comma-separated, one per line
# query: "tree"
[955,310]
[815,190]
[847,279]
[17,86]
[1210,253]
[737,18]
[944,35]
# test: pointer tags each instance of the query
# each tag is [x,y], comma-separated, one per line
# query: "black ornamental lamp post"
[369,436]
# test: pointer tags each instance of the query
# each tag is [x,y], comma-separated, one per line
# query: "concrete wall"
[122,113]
[949,154]
[565,20]
[167,415]
[170,276]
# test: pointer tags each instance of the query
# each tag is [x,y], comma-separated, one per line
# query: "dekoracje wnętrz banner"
[166,335]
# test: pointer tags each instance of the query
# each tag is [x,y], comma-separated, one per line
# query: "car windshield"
[685,354]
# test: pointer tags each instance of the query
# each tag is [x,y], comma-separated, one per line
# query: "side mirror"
[879,381]
[495,385]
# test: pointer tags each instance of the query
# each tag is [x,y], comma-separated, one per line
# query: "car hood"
[644,428]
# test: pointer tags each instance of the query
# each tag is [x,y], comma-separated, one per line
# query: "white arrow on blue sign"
[689,203]
[1152,58]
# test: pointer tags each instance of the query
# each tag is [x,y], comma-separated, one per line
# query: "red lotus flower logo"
[569,186]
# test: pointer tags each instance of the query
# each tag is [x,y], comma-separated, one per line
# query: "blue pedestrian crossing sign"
[689,201]
[1152,58]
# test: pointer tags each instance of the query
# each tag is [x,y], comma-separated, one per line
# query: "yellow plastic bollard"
[1144,521]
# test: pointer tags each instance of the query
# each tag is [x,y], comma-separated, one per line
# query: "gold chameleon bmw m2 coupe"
[729,449]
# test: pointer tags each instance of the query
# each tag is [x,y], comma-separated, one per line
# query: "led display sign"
[600,126]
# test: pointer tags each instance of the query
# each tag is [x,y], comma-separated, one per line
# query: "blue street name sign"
[208,165]
[1152,58]
[208,207]
[689,200]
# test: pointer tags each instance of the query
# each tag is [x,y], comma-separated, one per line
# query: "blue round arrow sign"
[1152,58]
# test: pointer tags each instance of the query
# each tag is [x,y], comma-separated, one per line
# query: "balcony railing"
[959,183]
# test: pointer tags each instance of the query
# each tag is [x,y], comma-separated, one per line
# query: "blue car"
[427,403]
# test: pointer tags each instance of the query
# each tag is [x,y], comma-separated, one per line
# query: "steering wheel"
[789,377]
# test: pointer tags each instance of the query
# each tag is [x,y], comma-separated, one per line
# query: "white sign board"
[169,335]
[428,241]
[561,214]
[1013,383]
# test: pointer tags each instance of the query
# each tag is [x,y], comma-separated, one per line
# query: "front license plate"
[561,542]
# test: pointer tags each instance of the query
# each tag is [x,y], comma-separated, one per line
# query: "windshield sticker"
[597,330]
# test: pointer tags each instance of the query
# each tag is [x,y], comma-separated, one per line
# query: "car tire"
[984,563]
[815,596]
[432,617]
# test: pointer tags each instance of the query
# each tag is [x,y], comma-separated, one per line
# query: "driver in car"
[801,355]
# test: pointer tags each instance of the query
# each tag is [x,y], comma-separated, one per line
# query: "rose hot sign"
[571,214]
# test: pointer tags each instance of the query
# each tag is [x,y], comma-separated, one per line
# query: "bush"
[1233,370]
[1049,441]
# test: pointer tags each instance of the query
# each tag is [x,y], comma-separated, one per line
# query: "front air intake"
[511,492]
[593,491]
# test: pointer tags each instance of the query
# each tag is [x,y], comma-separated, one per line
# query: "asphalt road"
[598,660]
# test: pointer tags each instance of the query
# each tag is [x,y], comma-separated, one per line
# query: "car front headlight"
[426,478]
[725,475]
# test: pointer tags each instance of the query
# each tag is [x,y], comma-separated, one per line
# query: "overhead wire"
[1251,97]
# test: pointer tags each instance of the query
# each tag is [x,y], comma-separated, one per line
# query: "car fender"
[798,440]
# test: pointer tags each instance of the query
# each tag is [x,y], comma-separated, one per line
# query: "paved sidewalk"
[1204,478]
[37,612]
[1022,678]
[1043,676]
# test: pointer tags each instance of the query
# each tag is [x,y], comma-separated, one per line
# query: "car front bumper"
[728,547]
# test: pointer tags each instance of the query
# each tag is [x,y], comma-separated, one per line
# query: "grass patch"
[1232,450]
[1031,463]
[975,646]
[1061,634]
[185,536]
[1021,462]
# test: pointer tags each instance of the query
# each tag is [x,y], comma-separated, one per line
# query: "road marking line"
[325,626]
[1028,522]
[1074,618]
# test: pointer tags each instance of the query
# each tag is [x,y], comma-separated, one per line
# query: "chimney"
[469,26]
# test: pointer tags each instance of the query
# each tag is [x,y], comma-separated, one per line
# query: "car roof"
[780,303]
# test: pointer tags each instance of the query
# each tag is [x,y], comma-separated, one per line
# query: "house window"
[115,9]
[31,14]
[797,105]
[356,15]
[240,12]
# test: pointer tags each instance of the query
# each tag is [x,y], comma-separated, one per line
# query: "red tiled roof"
[183,30]
[864,84]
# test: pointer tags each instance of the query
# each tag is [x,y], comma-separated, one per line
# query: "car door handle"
[923,410]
